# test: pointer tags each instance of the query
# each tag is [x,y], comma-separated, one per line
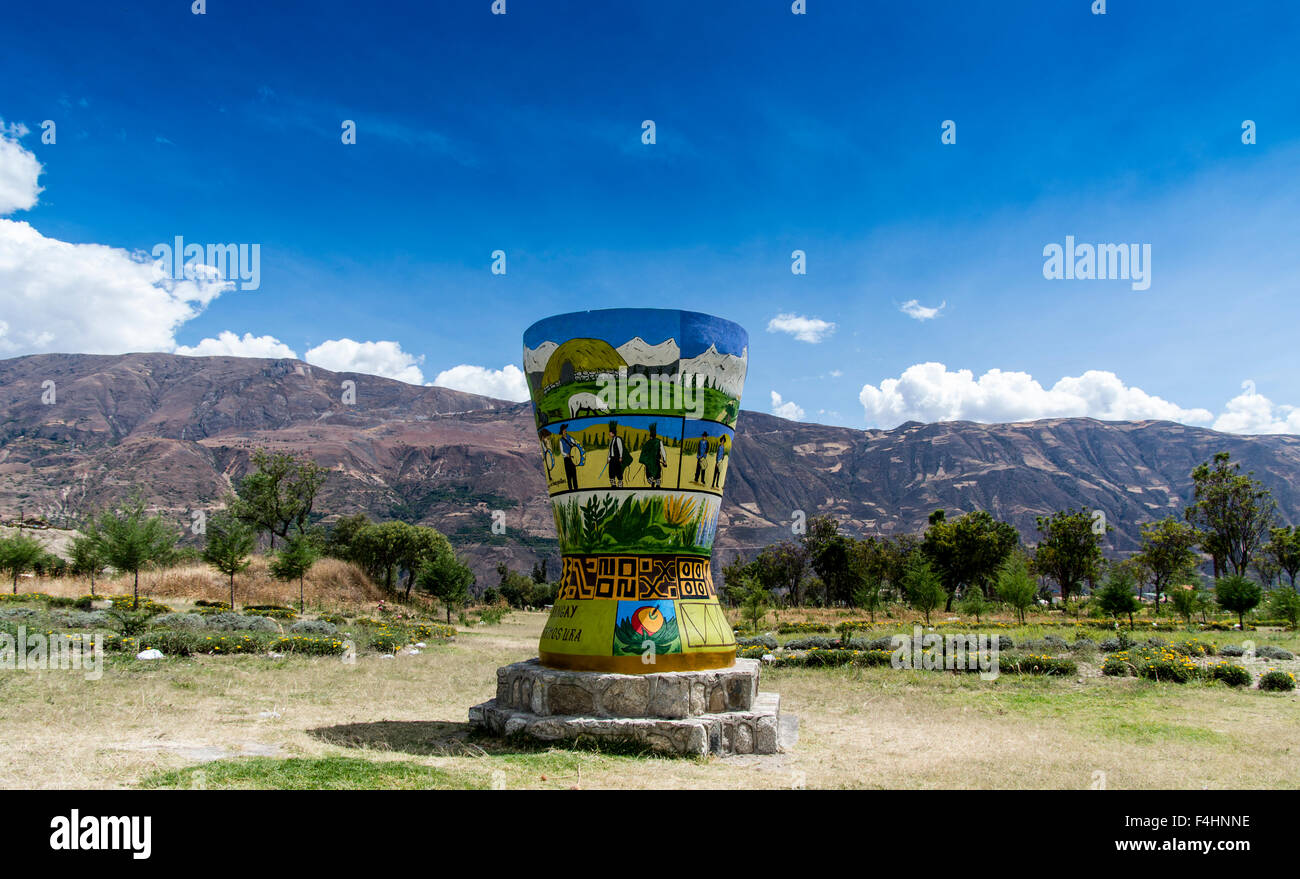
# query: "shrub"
[428,632]
[233,622]
[1037,664]
[818,642]
[219,605]
[147,605]
[310,644]
[271,612]
[1165,665]
[185,622]
[1118,665]
[334,619]
[386,642]
[313,627]
[1194,647]
[751,652]
[802,628]
[765,641]
[1268,651]
[1232,650]
[1229,673]
[1277,681]
[86,619]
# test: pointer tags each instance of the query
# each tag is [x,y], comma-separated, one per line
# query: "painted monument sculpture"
[636,411]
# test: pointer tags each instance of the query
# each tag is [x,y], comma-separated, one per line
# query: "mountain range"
[79,431]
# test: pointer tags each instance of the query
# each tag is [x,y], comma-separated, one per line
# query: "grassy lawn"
[293,722]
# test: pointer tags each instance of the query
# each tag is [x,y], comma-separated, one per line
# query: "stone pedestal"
[690,713]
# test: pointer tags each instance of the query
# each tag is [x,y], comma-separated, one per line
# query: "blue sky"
[774,133]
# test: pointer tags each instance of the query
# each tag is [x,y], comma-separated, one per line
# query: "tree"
[86,559]
[1168,554]
[782,566]
[279,494]
[1186,601]
[338,544]
[974,603]
[292,563]
[754,603]
[1116,597]
[1283,548]
[868,589]
[419,544]
[516,588]
[448,579]
[1232,512]
[828,554]
[1015,585]
[380,548]
[967,551]
[18,555]
[923,586]
[1284,604]
[129,540]
[1070,550]
[1237,594]
[229,544]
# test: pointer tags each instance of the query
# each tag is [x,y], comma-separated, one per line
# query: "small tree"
[229,545]
[868,594]
[86,559]
[973,603]
[1015,585]
[1186,601]
[292,563]
[1238,595]
[1284,604]
[18,555]
[754,603]
[129,540]
[447,578]
[1116,597]
[923,586]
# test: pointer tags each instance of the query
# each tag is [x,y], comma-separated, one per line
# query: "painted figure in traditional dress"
[653,458]
[573,456]
[721,455]
[617,449]
[702,459]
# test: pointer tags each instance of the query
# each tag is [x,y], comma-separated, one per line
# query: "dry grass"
[330,583]
[859,727]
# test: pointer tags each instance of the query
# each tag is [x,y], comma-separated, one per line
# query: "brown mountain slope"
[181,429]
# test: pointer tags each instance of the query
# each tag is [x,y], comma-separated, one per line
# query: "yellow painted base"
[632,665]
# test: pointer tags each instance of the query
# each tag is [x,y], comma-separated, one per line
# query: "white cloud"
[89,298]
[19,169]
[930,392]
[786,409]
[805,329]
[229,344]
[385,359]
[1252,412]
[914,309]
[506,383]
[82,298]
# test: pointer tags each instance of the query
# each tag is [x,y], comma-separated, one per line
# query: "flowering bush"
[1277,681]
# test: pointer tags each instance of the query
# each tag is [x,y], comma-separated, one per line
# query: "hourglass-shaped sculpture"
[636,410]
